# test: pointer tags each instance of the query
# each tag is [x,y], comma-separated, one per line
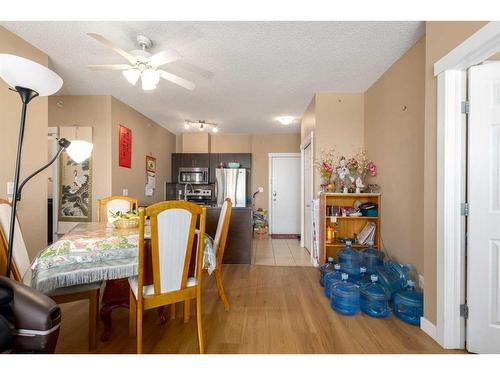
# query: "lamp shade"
[132,75]
[79,151]
[18,71]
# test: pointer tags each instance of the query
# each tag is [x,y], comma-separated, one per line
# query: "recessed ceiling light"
[286,120]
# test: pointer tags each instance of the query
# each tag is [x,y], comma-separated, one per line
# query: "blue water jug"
[393,276]
[363,278]
[409,304]
[374,299]
[345,297]
[331,278]
[372,258]
[324,269]
[350,260]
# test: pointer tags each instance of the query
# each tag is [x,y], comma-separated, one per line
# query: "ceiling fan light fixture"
[285,120]
[132,75]
[150,77]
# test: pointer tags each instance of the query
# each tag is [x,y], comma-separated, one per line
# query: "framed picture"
[75,189]
[124,147]
[150,164]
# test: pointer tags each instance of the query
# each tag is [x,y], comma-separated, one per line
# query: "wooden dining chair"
[21,264]
[173,226]
[113,204]
[220,247]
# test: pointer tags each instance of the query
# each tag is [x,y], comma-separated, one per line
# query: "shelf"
[354,246]
[353,217]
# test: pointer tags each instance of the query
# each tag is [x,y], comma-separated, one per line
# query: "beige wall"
[93,111]
[394,139]
[32,210]
[238,143]
[195,142]
[441,37]
[308,121]
[338,122]
[148,138]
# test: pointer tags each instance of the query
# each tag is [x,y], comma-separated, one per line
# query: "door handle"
[274,193]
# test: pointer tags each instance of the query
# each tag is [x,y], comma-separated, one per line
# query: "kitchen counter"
[239,238]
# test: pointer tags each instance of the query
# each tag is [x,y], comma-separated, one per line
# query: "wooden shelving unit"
[347,225]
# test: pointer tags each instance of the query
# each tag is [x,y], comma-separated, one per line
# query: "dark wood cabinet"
[211,161]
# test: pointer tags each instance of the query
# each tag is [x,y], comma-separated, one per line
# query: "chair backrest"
[173,225]
[20,258]
[108,205]
[222,230]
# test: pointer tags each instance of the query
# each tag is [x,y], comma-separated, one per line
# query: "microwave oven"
[193,176]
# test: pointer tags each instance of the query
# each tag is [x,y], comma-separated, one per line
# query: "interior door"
[483,258]
[307,198]
[285,194]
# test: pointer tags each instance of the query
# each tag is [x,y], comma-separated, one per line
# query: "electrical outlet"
[125,192]
[10,188]
[421,281]
[260,189]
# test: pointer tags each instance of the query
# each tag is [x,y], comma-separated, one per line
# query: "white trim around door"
[308,141]
[451,154]
[270,182]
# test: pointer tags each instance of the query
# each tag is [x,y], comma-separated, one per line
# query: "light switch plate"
[125,192]
[10,188]
[260,189]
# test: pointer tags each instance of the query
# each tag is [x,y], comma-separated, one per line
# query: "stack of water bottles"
[364,281]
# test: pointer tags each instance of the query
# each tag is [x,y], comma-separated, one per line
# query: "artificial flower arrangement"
[343,174]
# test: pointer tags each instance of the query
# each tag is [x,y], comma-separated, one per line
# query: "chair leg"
[220,287]
[93,313]
[139,327]
[172,311]
[199,320]
[132,315]
[187,310]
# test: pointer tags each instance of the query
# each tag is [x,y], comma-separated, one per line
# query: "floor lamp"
[30,79]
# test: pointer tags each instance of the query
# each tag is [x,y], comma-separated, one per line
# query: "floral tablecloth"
[93,252]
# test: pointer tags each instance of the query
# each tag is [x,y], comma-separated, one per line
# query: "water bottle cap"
[348,243]
[330,259]
[374,278]
[362,269]
[345,276]
[337,266]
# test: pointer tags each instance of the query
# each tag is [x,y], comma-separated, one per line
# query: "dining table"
[99,252]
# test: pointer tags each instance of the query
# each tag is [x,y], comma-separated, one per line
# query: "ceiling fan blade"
[164,57]
[110,67]
[177,80]
[193,69]
[109,44]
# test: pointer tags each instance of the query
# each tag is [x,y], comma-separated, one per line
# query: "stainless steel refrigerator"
[231,183]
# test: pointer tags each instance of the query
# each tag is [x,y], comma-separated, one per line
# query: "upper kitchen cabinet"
[244,159]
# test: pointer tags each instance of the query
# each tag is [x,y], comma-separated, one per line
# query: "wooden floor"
[273,310]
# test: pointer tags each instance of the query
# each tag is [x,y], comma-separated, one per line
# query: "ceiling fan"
[143,64]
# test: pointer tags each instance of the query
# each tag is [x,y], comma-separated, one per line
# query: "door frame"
[270,184]
[308,141]
[449,330]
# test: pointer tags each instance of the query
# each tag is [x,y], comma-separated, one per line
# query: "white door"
[483,254]
[307,197]
[285,194]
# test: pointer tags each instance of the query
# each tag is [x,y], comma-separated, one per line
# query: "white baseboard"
[429,328]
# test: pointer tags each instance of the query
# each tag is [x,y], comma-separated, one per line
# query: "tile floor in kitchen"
[282,252]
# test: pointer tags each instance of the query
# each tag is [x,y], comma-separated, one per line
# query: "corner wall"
[394,139]
[32,210]
[148,138]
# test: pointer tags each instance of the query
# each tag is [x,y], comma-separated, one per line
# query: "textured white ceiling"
[262,69]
